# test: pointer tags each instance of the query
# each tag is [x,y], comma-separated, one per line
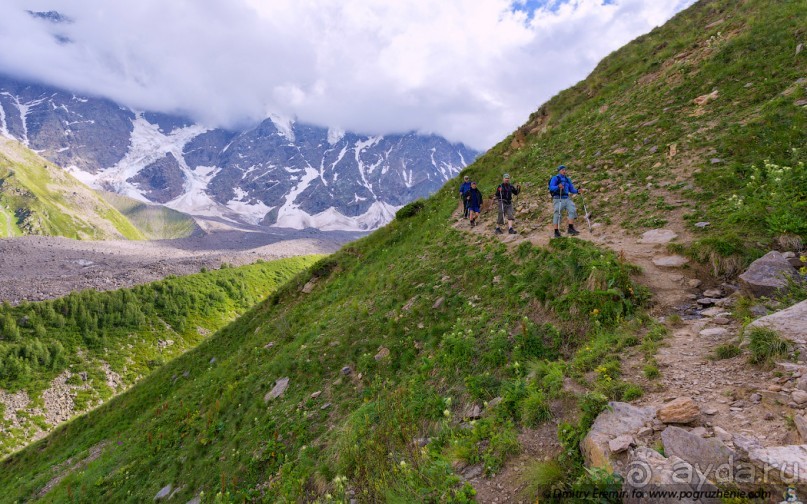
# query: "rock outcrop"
[768,275]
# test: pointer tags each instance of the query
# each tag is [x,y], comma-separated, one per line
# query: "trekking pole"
[586,212]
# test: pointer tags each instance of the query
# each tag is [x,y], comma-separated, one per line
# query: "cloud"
[469,70]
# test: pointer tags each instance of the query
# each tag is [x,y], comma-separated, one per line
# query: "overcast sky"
[470,70]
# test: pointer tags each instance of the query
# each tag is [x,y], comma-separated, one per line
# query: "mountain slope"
[277,172]
[39,198]
[403,332]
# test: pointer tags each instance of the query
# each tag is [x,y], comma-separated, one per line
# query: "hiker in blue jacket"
[561,188]
[473,200]
[464,188]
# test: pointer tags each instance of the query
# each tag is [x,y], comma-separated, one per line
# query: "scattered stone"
[715,160]
[645,432]
[497,279]
[768,275]
[473,472]
[438,304]
[714,332]
[756,398]
[679,411]
[705,99]
[788,255]
[164,492]
[713,293]
[421,441]
[383,353]
[710,410]
[673,150]
[195,500]
[473,412]
[316,394]
[621,443]
[801,383]
[707,301]
[269,345]
[801,426]
[308,288]
[758,310]
[799,48]
[692,297]
[799,396]
[409,304]
[721,321]
[325,406]
[702,224]
[280,386]
[801,103]
[347,370]
[659,236]
[212,361]
[790,323]
[494,402]
[83,375]
[721,434]
[673,261]
[694,283]
[699,431]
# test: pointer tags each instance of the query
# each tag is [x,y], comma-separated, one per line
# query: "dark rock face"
[162,180]
[274,172]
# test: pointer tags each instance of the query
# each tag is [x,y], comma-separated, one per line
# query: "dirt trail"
[733,395]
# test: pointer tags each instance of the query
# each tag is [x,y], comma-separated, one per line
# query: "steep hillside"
[156,222]
[425,357]
[38,198]
[59,358]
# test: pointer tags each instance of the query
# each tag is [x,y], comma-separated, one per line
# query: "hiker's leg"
[571,211]
[500,219]
[557,205]
[511,215]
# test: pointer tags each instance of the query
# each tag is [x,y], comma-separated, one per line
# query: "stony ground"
[34,268]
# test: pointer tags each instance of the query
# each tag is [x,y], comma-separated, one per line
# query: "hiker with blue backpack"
[473,201]
[504,197]
[561,188]
[464,188]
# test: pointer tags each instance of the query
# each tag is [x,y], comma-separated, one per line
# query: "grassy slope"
[156,222]
[489,337]
[85,331]
[37,197]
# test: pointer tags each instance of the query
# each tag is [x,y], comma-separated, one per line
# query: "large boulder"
[790,323]
[706,454]
[785,464]
[768,275]
[620,419]
[682,410]
[649,471]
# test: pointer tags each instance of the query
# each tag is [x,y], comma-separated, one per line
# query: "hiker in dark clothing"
[464,188]
[473,200]
[504,198]
[561,188]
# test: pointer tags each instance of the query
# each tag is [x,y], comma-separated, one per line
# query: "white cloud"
[470,70]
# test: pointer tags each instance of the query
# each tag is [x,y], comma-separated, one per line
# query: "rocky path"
[732,395]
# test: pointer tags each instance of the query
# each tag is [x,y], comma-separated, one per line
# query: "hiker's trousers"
[563,204]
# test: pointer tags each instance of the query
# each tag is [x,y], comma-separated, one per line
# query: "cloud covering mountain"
[467,70]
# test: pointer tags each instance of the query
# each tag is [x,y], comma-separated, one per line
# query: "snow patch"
[195,200]
[3,126]
[331,219]
[335,134]
[284,125]
[252,213]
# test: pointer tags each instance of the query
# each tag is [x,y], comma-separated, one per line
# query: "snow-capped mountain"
[278,173]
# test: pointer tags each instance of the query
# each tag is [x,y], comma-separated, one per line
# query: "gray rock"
[472,472]
[620,419]
[721,321]
[682,410]
[755,398]
[308,288]
[280,386]
[195,500]
[707,301]
[768,275]
[713,293]
[649,471]
[659,236]
[788,255]
[694,283]
[473,412]
[621,443]
[702,224]
[789,462]
[438,304]
[790,323]
[316,394]
[347,370]
[212,361]
[799,396]
[673,261]
[801,426]
[493,402]
[383,353]
[164,492]
[325,406]
[698,451]
[714,332]
[722,434]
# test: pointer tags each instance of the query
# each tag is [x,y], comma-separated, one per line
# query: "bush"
[535,409]
[726,351]
[766,345]
[410,209]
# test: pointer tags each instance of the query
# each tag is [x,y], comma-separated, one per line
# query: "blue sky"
[470,70]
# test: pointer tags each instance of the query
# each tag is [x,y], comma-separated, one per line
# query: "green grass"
[133,331]
[726,351]
[38,198]
[766,346]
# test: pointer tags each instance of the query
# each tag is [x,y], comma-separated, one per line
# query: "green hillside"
[38,198]
[99,343]
[156,222]
[401,333]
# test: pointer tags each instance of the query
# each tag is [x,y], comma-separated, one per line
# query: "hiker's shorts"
[508,211]
[474,209]
[560,205]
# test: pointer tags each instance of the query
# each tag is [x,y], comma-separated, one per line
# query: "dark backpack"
[549,185]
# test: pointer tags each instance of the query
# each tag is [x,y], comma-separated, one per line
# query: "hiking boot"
[557,234]
[512,231]
[499,230]
[572,231]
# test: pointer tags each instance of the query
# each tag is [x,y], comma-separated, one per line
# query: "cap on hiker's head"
[473,182]
[466,177]
[561,167]
[506,176]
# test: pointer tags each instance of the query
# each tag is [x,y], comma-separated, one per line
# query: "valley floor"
[33,268]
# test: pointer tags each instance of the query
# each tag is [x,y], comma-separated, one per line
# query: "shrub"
[410,209]
[726,351]
[535,409]
[766,345]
